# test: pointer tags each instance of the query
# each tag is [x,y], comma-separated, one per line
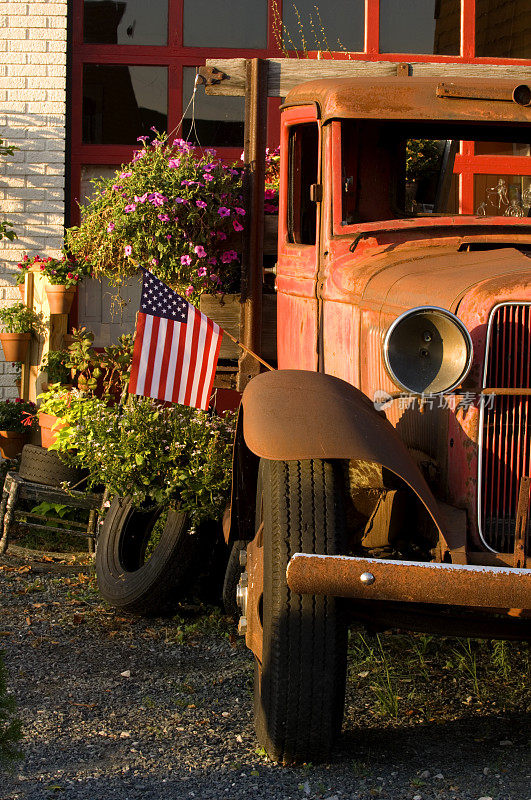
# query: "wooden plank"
[286,73]
[226,312]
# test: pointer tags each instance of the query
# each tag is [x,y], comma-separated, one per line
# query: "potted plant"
[18,322]
[175,210]
[54,365]
[63,276]
[16,420]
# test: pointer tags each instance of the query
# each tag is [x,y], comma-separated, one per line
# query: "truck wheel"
[136,573]
[299,687]
[232,576]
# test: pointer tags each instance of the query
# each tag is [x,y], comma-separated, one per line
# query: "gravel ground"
[126,708]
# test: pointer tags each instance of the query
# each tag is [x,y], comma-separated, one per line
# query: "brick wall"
[32,117]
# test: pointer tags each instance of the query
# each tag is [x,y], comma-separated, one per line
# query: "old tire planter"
[44,466]
[125,578]
[299,687]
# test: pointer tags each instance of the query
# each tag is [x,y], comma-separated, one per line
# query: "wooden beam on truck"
[285,73]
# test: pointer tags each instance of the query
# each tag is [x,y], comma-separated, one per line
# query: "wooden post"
[253,259]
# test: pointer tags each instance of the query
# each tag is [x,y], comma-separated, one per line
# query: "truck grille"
[506,425]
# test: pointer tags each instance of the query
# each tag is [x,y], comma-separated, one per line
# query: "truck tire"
[299,689]
[130,581]
[39,465]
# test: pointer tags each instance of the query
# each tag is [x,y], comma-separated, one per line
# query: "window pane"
[216,121]
[125,22]
[502,149]
[121,103]
[420,26]
[502,195]
[503,28]
[302,170]
[237,23]
[331,26]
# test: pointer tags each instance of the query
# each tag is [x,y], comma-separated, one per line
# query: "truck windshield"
[392,171]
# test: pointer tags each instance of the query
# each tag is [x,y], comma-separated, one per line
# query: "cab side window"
[303,152]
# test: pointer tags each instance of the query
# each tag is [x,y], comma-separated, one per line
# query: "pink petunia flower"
[208,177]
[200,251]
[128,250]
[240,211]
[189,290]
[201,272]
[228,256]
[237,226]
[129,208]
[222,236]
[110,227]
[200,204]
[223,211]
[186,261]
[163,217]
[173,163]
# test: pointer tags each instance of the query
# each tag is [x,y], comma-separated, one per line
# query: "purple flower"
[154,261]
[138,154]
[163,217]
[186,261]
[223,211]
[240,211]
[200,251]
[142,138]
[110,227]
[208,177]
[234,172]
[174,162]
[157,199]
[213,261]
[228,256]
[200,204]
[128,250]
[142,198]
[125,175]
[128,209]
[189,290]
[201,272]
[168,236]
[237,226]
[181,200]
[116,187]
[222,236]
[187,183]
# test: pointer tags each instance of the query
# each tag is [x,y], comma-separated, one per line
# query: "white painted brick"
[48,108]
[10,133]
[56,70]
[49,9]
[25,46]
[17,8]
[38,82]
[55,144]
[57,46]
[23,69]
[17,21]
[12,83]
[11,206]
[12,108]
[45,58]
[14,33]
[33,206]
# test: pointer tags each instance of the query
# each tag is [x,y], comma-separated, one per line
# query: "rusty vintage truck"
[382,473]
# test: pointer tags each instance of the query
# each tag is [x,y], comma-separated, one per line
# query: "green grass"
[415,678]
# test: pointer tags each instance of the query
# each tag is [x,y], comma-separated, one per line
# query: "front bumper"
[411,581]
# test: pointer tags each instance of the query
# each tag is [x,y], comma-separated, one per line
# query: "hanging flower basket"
[11,443]
[15,345]
[60,297]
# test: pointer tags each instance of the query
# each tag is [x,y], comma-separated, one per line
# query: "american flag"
[176,348]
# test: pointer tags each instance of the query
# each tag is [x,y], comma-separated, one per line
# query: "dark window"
[237,23]
[302,169]
[420,26]
[142,22]
[121,103]
[211,121]
[503,28]
[331,26]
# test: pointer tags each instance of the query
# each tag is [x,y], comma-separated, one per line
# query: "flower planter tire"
[126,580]
[44,466]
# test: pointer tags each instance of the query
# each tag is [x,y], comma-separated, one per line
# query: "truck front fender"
[295,415]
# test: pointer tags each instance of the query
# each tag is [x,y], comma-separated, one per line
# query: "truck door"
[298,247]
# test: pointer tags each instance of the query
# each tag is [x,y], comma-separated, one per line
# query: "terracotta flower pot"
[50,426]
[11,443]
[15,345]
[60,298]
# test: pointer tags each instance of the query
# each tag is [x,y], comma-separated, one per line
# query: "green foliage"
[106,372]
[20,319]
[5,227]
[176,454]
[422,157]
[54,364]
[172,210]
[10,727]
[17,415]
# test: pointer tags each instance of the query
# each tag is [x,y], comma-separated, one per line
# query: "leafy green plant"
[10,727]
[54,364]
[17,415]
[20,319]
[6,231]
[105,373]
[172,209]
[165,455]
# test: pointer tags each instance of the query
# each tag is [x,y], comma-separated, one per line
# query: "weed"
[467,663]
[360,769]
[500,658]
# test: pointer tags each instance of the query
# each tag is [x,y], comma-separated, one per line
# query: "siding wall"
[32,117]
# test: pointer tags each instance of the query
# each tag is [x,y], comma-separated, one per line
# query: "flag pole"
[247,350]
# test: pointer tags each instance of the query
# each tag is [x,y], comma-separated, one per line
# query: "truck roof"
[423,99]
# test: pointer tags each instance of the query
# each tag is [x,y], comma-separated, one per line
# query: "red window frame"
[175,56]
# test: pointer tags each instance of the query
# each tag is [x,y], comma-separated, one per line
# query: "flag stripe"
[155,324]
[211,366]
[200,349]
[180,361]
[192,356]
[144,354]
[172,362]
[157,358]
[137,350]
[201,374]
